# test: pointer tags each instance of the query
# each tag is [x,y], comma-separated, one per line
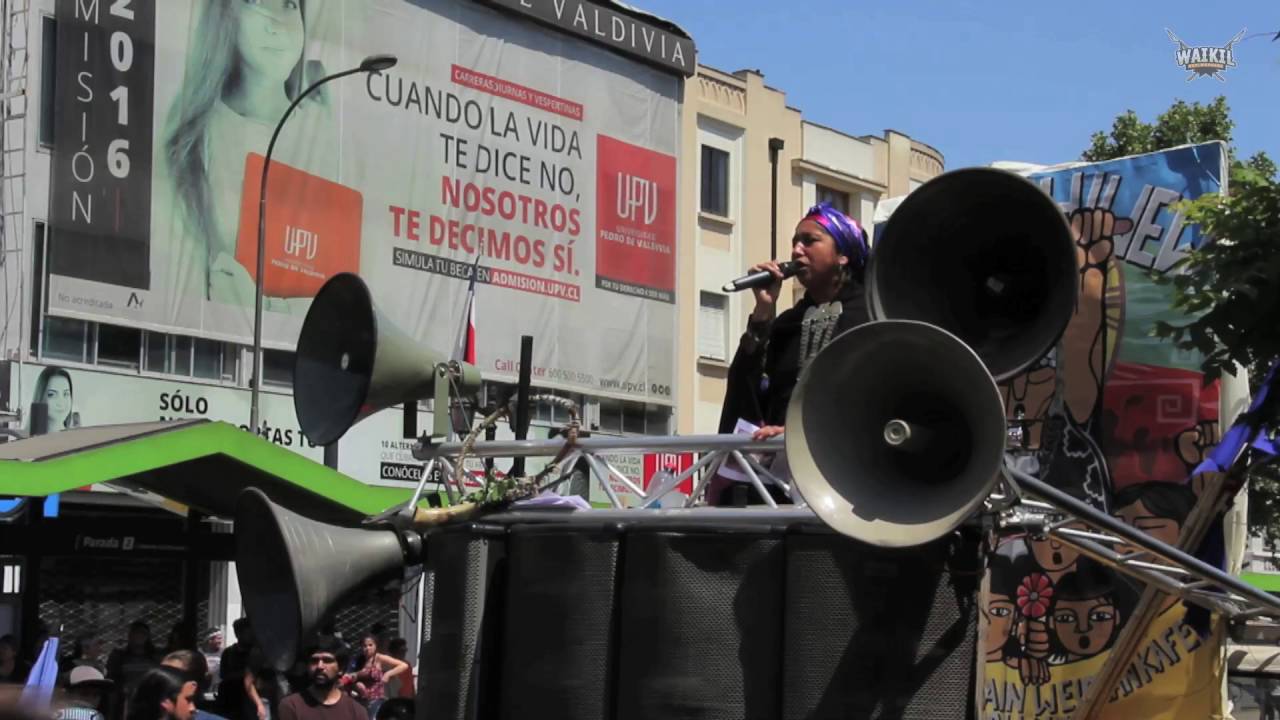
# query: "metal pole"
[775,145]
[605,443]
[1119,528]
[255,381]
[522,398]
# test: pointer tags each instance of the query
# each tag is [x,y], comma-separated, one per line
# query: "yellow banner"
[1175,675]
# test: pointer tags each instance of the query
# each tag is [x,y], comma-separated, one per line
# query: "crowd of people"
[195,678]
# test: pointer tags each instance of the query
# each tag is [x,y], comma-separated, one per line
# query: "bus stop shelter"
[195,469]
[200,464]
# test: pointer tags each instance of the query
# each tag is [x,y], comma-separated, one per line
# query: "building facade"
[505,138]
[740,138]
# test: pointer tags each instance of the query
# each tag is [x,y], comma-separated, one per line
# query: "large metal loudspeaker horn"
[896,430]
[985,255]
[351,362]
[293,570]
[895,433]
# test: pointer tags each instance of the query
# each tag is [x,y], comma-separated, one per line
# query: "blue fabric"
[38,691]
[1249,428]
[850,239]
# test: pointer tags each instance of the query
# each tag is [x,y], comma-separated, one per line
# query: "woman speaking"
[830,250]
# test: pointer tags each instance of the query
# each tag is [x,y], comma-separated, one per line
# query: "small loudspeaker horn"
[895,433]
[352,362]
[294,570]
[985,255]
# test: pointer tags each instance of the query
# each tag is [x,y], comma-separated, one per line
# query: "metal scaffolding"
[15,105]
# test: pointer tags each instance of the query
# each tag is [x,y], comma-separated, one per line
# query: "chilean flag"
[465,349]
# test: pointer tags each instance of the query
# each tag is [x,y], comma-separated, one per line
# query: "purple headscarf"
[850,239]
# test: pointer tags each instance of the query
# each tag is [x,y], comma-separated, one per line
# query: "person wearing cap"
[831,249]
[87,688]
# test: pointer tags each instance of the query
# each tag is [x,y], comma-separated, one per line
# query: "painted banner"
[549,159]
[1117,418]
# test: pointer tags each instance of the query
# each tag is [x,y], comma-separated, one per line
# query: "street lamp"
[373,63]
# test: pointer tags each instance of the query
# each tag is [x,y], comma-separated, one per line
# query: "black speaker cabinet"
[709,613]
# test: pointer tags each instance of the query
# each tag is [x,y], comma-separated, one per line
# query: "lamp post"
[373,63]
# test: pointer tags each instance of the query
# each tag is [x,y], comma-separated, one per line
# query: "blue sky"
[995,80]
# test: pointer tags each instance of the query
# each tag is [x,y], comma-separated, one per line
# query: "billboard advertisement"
[373,451]
[544,164]
[1119,419]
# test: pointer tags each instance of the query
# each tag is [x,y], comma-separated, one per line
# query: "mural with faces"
[1117,419]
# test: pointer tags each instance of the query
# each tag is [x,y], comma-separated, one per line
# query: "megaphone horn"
[294,570]
[895,433]
[351,362]
[987,256]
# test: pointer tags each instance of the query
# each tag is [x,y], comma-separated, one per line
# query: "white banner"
[551,160]
[372,451]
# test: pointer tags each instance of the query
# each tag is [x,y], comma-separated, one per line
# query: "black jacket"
[763,375]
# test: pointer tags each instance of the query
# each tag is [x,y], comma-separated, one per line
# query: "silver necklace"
[817,329]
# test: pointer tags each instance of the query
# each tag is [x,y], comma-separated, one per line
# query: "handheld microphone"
[760,278]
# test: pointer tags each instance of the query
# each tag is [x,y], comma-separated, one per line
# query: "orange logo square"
[312,228]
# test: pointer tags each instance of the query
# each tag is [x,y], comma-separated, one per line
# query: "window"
[231,355]
[170,354]
[66,339]
[634,418]
[180,346]
[119,346]
[191,357]
[715,181]
[48,71]
[610,415]
[657,420]
[12,584]
[839,200]
[551,412]
[277,368]
[37,283]
[209,356]
[155,356]
[712,328]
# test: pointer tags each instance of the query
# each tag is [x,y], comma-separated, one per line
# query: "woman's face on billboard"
[270,38]
[58,395]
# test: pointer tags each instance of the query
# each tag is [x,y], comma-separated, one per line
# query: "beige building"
[733,124]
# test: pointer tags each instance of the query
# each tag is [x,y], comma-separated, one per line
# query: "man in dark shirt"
[324,698]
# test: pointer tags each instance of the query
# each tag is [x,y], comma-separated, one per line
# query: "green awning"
[198,463]
[1263,581]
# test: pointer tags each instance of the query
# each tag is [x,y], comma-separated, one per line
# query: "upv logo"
[300,243]
[637,199]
